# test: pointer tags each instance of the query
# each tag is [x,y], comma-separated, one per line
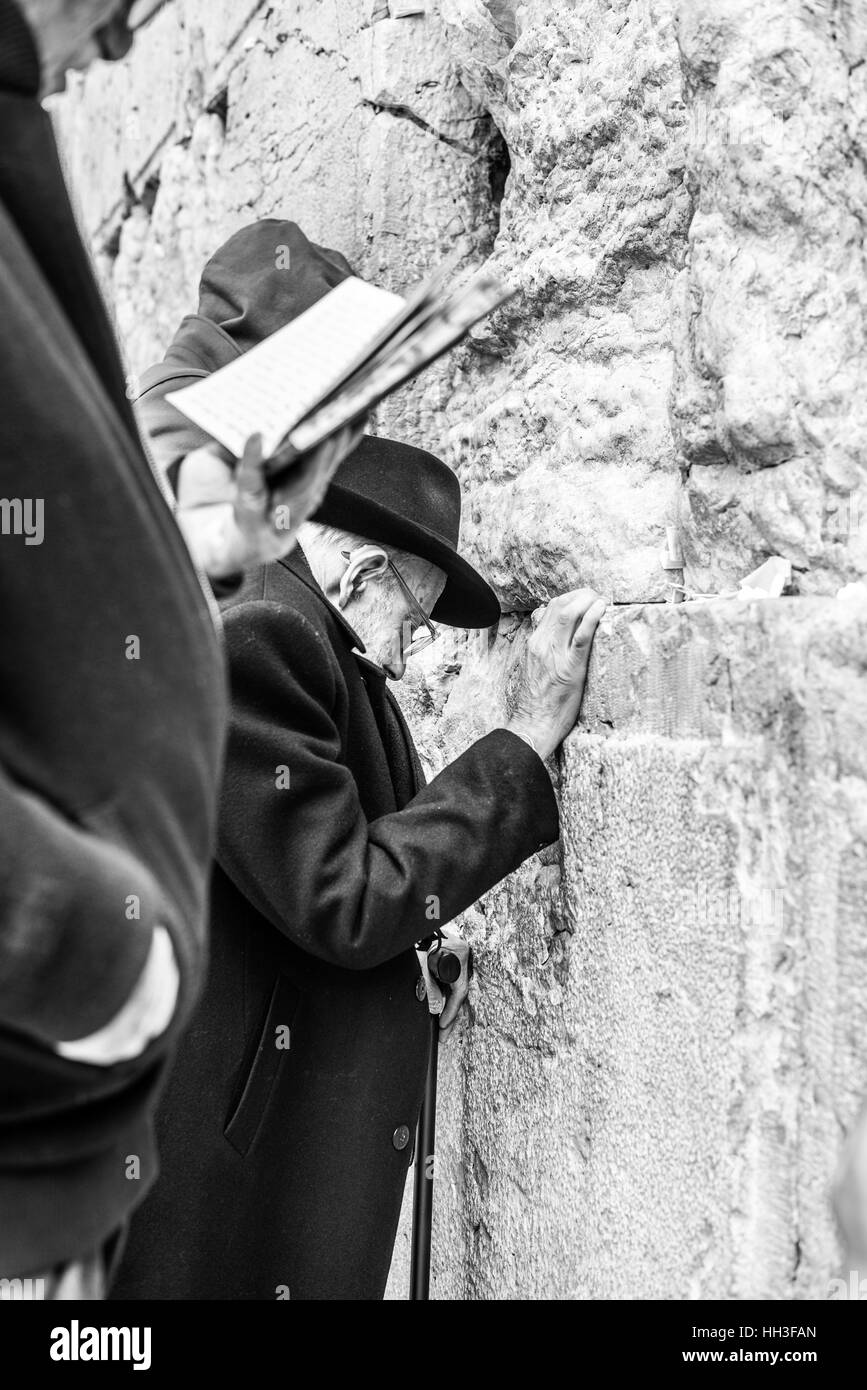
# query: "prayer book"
[334,363]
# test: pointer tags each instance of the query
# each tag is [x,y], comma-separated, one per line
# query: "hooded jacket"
[112,719]
[260,279]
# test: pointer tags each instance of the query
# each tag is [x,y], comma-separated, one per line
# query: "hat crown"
[404,484]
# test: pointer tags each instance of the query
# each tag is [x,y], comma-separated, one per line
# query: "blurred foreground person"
[112,710]
[286,1129]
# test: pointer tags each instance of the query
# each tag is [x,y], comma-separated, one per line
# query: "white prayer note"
[274,384]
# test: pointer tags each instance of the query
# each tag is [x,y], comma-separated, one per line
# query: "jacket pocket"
[275,1042]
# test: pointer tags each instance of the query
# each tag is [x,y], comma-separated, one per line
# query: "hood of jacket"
[260,279]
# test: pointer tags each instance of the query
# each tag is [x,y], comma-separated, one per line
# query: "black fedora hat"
[408,498]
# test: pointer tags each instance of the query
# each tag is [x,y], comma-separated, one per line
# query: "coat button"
[420,988]
[400,1138]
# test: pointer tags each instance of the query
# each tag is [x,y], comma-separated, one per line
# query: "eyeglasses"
[418,639]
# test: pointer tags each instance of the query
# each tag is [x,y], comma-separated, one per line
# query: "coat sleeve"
[293,836]
[70,956]
[170,435]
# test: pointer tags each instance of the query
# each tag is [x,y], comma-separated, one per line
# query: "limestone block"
[112,119]
[564,442]
[395,189]
[405,67]
[771,348]
[669,1027]
[115,120]
[153,281]
[118,118]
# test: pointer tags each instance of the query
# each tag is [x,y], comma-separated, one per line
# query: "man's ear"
[362,564]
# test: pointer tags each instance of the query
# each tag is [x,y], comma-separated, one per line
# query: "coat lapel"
[418,778]
[404,766]
[296,564]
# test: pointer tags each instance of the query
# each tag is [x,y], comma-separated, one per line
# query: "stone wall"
[668,1026]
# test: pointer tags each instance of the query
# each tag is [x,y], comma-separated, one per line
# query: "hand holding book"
[233,515]
[327,368]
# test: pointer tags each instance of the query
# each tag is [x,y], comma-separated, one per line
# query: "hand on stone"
[230,514]
[550,681]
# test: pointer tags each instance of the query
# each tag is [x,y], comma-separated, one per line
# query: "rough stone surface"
[668,1032]
[570,405]
[667,1037]
[360,132]
[769,406]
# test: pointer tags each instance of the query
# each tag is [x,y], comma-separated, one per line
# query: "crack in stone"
[405,113]
[303,38]
[109,228]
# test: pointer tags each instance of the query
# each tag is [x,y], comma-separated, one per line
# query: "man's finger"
[456,1001]
[435,995]
[568,609]
[250,477]
[450,1012]
[586,627]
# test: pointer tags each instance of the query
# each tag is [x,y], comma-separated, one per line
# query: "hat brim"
[467,599]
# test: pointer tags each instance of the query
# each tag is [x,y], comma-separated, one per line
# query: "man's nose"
[396,665]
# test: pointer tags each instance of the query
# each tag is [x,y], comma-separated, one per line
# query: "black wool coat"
[286,1130]
[110,753]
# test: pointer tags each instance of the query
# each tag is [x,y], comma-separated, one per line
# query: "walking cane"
[445,967]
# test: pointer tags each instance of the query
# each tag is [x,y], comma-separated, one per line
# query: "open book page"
[396,363]
[423,301]
[419,311]
[277,382]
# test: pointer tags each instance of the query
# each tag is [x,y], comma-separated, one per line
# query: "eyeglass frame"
[420,644]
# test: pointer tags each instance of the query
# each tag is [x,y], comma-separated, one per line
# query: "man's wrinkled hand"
[232,518]
[551,677]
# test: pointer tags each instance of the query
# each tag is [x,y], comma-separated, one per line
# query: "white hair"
[323,547]
[321,542]
[313,536]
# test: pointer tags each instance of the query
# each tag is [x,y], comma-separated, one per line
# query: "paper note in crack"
[268,389]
